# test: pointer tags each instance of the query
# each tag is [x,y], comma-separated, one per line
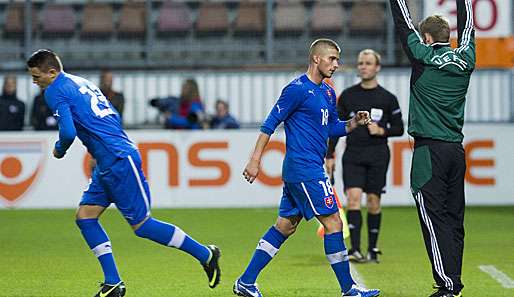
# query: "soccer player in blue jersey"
[83,111]
[307,108]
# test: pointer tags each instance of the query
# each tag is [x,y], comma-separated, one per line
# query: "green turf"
[43,254]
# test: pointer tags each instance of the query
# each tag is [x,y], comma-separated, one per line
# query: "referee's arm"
[395,127]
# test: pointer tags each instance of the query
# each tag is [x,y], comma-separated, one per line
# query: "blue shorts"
[123,184]
[308,199]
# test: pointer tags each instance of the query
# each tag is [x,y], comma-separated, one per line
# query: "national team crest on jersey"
[20,165]
[330,96]
[329,201]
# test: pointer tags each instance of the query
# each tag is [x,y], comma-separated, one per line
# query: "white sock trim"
[102,249]
[337,257]
[178,238]
[267,247]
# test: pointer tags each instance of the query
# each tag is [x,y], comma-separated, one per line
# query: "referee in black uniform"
[439,83]
[366,157]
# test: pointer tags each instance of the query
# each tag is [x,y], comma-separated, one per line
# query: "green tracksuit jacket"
[440,75]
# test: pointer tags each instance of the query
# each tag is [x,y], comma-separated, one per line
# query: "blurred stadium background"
[240,51]
[243,52]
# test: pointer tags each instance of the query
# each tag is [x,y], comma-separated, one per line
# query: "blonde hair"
[317,44]
[369,51]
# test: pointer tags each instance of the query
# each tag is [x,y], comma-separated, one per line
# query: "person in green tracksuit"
[439,83]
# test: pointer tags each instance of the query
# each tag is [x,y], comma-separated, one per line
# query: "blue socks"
[170,235]
[99,243]
[267,247]
[337,256]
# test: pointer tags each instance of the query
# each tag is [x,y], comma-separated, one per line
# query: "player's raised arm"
[466,31]
[412,42]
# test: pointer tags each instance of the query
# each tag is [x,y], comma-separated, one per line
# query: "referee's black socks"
[354,223]
[373,229]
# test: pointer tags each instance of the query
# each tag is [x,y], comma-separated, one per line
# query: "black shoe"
[443,292]
[117,290]
[356,256]
[212,268]
[373,255]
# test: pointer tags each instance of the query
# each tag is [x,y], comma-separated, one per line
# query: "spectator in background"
[116,98]
[12,109]
[185,112]
[41,117]
[223,119]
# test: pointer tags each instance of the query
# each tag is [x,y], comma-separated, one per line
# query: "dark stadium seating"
[289,18]
[212,18]
[14,20]
[132,21]
[97,20]
[58,20]
[185,30]
[250,19]
[174,19]
[367,17]
[327,18]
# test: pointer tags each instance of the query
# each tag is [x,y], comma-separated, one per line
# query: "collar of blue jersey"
[305,78]
[59,77]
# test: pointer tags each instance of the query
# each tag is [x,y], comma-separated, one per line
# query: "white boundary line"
[356,276]
[498,276]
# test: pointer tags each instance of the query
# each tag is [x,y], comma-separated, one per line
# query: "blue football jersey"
[308,111]
[82,110]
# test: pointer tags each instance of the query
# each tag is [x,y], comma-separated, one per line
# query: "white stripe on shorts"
[140,184]
[309,198]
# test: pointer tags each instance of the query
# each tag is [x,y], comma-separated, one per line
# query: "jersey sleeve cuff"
[266,130]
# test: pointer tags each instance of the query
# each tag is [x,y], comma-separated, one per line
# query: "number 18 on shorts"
[308,199]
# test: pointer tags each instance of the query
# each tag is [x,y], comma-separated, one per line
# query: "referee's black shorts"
[365,167]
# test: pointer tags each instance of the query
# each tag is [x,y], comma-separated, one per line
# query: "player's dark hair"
[44,59]
[436,26]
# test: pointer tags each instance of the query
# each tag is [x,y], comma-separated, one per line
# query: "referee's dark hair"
[44,59]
